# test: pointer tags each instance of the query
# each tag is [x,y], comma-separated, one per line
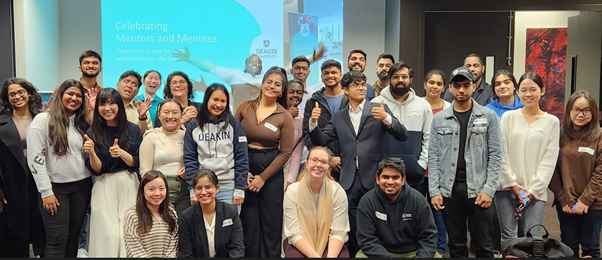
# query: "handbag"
[536,247]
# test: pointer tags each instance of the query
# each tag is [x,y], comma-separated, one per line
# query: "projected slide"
[143,35]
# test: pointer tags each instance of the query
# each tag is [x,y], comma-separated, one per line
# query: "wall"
[364,29]
[37,42]
[524,20]
[80,30]
[7,44]
[392,27]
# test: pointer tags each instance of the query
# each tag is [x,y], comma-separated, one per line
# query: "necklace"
[23,120]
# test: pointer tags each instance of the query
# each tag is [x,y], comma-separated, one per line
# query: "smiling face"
[295,94]
[17,96]
[90,67]
[434,86]
[205,190]
[108,110]
[356,62]
[317,165]
[301,71]
[155,192]
[331,77]
[217,103]
[382,68]
[170,115]
[390,182]
[72,100]
[179,87]
[128,88]
[530,93]
[152,82]
[253,65]
[503,86]
[581,113]
[272,86]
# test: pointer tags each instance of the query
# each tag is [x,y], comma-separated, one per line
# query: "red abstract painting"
[546,56]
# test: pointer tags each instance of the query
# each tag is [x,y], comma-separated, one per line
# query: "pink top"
[294,161]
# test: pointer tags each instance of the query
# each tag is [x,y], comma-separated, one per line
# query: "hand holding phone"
[575,206]
[525,200]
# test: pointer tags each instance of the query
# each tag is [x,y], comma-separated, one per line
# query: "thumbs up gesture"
[88,145]
[115,150]
[315,113]
[379,112]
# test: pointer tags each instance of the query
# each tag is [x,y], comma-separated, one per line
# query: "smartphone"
[575,206]
[525,200]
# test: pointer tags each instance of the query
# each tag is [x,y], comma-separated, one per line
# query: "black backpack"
[536,247]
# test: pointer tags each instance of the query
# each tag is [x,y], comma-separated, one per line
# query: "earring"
[280,94]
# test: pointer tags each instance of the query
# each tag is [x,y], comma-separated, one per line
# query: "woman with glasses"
[530,139]
[20,219]
[179,87]
[162,149]
[316,222]
[577,180]
[270,133]
[210,228]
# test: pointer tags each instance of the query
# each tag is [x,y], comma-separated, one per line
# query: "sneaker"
[497,254]
[82,253]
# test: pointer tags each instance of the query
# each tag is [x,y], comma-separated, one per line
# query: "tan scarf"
[315,221]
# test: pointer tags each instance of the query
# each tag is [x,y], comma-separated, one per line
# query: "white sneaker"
[82,253]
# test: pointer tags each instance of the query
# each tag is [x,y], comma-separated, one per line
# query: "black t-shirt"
[463,117]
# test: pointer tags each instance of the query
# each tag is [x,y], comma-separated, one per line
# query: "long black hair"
[203,114]
[99,127]
[59,121]
[35,99]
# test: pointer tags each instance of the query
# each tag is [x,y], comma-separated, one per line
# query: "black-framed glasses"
[575,111]
[20,92]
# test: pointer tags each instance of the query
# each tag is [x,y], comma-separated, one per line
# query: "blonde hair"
[321,148]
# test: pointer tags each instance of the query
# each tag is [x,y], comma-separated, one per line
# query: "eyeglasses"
[315,160]
[358,85]
[19,92]
[575,111]
[201,188]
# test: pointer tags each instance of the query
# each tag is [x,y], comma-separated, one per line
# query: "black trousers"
[261,213]
[354,194]
[458,209]
[63,228]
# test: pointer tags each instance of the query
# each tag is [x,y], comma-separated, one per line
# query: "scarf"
[315,220]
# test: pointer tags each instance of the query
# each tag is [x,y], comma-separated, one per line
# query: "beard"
[383,77]
[399,90]
[85,74]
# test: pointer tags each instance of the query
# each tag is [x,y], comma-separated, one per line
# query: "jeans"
[581,230]
[63,228]
[532,214]
[438,216]
[458,209]
[226,196]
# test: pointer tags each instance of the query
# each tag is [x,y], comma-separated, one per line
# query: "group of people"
[348,170]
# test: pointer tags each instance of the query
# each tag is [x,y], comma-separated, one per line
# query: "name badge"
[480,121]
[227,222]
[270,126]
[180,143]
[381,216]
[415,113]
[586,150]
[538,131]
[242,139]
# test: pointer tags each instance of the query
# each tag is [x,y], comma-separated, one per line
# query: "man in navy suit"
[360,129]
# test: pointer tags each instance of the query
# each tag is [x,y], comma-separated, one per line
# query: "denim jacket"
[483,152]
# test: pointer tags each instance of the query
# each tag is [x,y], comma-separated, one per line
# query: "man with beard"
[393,219]
[484,91]
[416,115]
[128,87]
[245,84]
[356,61]
[383,63]
[465,155]
[90,65]
[360,129]
[331,99]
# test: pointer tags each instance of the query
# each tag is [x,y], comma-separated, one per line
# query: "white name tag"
[270,126]
[415,113]
[586,150]
[227,222]
[381,216]
[480,121]
[242,139]
[539,131]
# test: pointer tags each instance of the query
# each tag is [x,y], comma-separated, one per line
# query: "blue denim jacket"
[483,152]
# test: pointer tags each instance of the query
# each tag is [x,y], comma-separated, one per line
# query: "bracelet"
[142,118]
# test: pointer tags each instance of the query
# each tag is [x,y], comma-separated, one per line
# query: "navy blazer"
[228,234]
[365,146]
